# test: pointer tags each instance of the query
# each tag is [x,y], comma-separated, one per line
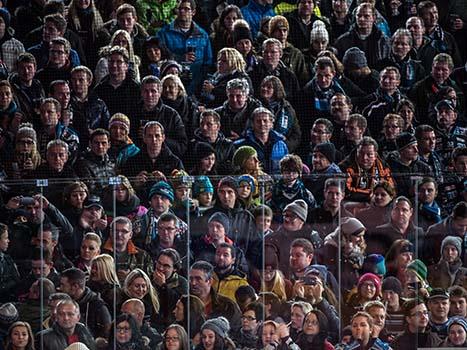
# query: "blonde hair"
[105,267]
[278,286]
[176,79]
[234,59]
[131,52]
[91,236]
[138,273]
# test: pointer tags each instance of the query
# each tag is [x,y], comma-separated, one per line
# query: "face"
[208,338]
[401,46]
[305,8]
[340,109]
[320,162]
[367,290]
[179,311]
[127,21]
[446,117]
[401,213]
[154,54]
[67,316]
[244,46]
[281,34]
[210,128]
[458,306]
[291,221]
[409,153]
[319,134]
[366,156]
[20,337]
[150,94]
[333,197]
[311,325]
[216,231]
[389,81]
[121,193]
[4,241]
[5,97]
[244,189]
[172,340]
[153,139]
[80,83]
[365,19]
[138,288]
[167,231]
[57,156]
[62,94]
[49,115]
[120,40]
[381,198]
[271,55]
[47,241]
[83,4]
[170,89]
[160,204]
[100,145]
[208,162]
[227,196]
[57,55]
[50,32]
[391,298]
[418,318]
[199,284]
[450,253]
[461,165]
[439,307]
[459,226]
[299,259]
[251,164]
[263,223]
[353,132]
[118,133]
[205,199]
[267,91]
[26,71]
[430,17]
[237,99]
[262,124]
[89,249]
[123,235]
[427,192]
[184,12]
[223,258]
[249,321]
[40,268]
[440,71]
[324,77]
[268,273]
[361,329]
[379,316]
[269,334]
[427,142]
[296,317]
[123,332]
[117,66]
[340,6]
[457,335]
[416,28]
[407,114]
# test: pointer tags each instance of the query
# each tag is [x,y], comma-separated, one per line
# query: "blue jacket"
[253,13]
[269,155]
[178,42]
[41,54]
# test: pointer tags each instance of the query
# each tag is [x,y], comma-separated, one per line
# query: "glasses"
[166,229]
[123,329]
[249,318]
[311,323]
[172,338]
[420,313]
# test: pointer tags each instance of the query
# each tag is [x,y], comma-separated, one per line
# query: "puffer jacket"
[95,171]
[228,284]
[94,313]
[54,338]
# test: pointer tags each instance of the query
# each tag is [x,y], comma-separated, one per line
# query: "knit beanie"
[351,226]
[170,63]
[461,321]
[242,154]
[374,263]
[327,149]
[219,325]
[222,219]
[278,22]
[8,314]
[240,33]
[202,184]
[354,58]
[120,119]
[454,241]
[77,346]
[228,181]
[419,268]
[392,283]
[203,150]
[299,208]
[6,16]
[250,180]
[370,277]
[26,131]
[180,178]
[405,139]
[162,188]
[319,31]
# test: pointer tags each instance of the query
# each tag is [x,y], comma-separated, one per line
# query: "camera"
[310,280]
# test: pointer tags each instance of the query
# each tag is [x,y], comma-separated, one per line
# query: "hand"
[208,86]
[158,176]
[283,331]
[158,278]
[14,203]
[100,224]
[122,274]
[41,199]
[299,289]
[190,57]
[234,135]
[28,164]
[142,178]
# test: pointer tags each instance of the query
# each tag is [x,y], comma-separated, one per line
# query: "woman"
[85,20]
[398,257]
[123,39]
[406,110]
[215,335]
[174,95]
[415,282]
[362,328]
[138,285]
[319,41]
[243,42]
[154,54]
[90,248]
[298,311]
[380,206]
[457,333]
[74,196]
[286,122]
[19,337]
[126,334]
[221,35]
[26,157]
[393,125]
[103,278]
[189,313]
[205,162]
[273,279]
[175,338]
[315,332]
[230,65]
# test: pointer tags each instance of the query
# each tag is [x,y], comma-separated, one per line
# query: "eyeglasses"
[166,229]
[311,323]
[249,318]
[420,313]
[171,338]
[123,329]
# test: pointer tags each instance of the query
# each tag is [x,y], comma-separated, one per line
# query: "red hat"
[370,277]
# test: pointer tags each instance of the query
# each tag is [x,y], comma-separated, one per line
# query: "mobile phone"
[191,48]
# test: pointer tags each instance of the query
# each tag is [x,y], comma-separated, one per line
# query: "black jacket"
[54,338]
[95,171]
[9,278]
[27,98]
[299,32]
[94,313]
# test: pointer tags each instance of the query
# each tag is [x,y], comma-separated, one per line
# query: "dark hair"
[390,189]
[75,276]
[57,20]
[324,62]
[326,122]
[257,308]
[410,304]
[244,292]
[173,255]
[39,253]
[227,10]
[233,253]
[26,57]
[458,152]
[303,243]
[99,132]
[193,309]
[457,291]
[419,130]
[279,91]
[136,337]
[204,266]
[167,217]
[460,210]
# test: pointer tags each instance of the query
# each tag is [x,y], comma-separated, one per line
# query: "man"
[95,166]
[271,64]
[365,169]
[457,301]
[60,90]
[429,212]
[355,129]
[89,111]
[340,19]
[417,331]
[128,256]
[188,42]
[118,89]
[341,108]
[268,143]
[227,277]
[156,156]
[426,140]
[201,281]
[300,258]
[153,109]
[377,311]
[66,330]
[236,111]
[94,314]
[392,291]
[26,88]
[291,56]
[209,132]
[136,308]
[399,226]
[438,305]
[404,163]
[254,11]
[424,51]
[168,234]
[366,36]
[453,189]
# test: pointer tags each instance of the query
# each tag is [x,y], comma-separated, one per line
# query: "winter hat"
[370,277]
[374,263]
[241,32]
[262,210]
[228,181]
[405,139]
[242,154]
[170,63]
[180,178]
[222,219]
[8,314]
[351,226]
[77,346]
[454,241]
[278,22]
[162,188]
[93,201]
[438,293]
[327,149]
[461,321]
[445,104]
[419,268]
[203,150]
[354,58]
[219,325]
[299,208]
[250,180]
[320,271]
[319,31]
[6,16]
[270,256]
[392,283]
[26,131]
[202,184]
[120,119]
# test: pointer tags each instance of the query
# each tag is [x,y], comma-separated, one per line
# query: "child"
[263,219]
[203,192]
[181,183]
[248,191]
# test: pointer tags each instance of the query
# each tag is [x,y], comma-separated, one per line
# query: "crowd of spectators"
[242,174]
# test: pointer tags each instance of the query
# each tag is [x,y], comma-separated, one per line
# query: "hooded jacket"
[94,313]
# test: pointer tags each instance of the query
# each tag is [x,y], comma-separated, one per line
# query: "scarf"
[322,97]
[431,211]
[437,39]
